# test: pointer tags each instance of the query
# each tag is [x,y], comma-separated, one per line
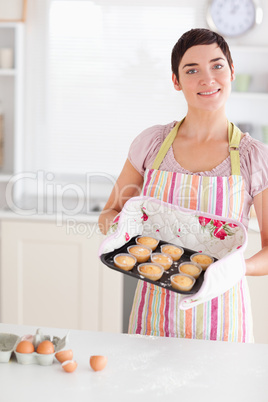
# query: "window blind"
[107,77]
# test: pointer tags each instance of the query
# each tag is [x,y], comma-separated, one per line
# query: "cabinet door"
[52,276]
[258,291]
[12,100]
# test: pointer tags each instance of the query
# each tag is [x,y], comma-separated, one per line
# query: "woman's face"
[204,77]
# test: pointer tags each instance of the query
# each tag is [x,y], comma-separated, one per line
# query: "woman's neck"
[202,142]
[205,126]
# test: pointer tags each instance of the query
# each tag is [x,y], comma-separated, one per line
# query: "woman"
[199,147]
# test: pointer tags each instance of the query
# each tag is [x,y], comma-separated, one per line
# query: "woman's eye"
[192,71]
[218,66]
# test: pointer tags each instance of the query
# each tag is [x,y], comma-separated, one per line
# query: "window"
[97,74]
[107,76]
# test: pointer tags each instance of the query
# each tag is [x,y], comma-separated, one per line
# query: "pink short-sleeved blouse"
[253,161]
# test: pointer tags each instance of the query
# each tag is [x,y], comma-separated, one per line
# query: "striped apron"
[155,310]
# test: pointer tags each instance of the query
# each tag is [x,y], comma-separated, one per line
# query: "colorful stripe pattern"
[155,310]
[221,196]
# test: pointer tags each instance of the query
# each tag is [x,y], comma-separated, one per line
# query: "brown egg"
[98,363]
[69,366]
[64,355]
[25,347]
[45,348]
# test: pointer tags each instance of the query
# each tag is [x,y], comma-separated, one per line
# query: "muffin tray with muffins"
[157,262]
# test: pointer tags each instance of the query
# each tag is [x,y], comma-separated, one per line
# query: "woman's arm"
[128,185]
[258,263]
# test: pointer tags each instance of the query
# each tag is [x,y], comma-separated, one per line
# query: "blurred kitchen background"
[79,80]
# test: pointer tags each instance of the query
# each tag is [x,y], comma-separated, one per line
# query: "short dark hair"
[194,37]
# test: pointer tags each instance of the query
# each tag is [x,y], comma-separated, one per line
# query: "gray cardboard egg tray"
[9,342]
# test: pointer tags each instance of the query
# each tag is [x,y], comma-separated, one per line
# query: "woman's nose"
[207,78]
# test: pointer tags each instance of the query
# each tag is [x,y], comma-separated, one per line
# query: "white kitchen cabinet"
[11,100]
[51,276]
[258,286]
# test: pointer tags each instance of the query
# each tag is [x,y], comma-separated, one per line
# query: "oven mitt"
[219,277]
[222,238]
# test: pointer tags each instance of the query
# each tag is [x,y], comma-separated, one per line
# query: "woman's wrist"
[249,268]
[107,219]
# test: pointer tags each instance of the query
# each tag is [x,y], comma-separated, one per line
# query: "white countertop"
[140,369]
[48,217]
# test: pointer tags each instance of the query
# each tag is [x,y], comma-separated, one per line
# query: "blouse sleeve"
[145,147]
[257,163]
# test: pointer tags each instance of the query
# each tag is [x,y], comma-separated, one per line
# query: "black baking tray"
[164,281]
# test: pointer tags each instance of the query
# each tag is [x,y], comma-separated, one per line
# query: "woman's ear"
[176,83]
[232,73]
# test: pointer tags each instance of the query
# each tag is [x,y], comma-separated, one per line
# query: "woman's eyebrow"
[196,64]
[217,59]
[190,65]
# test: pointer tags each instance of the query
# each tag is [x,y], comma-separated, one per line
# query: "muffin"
[125,261]
[175,252]
[182,282]
[204,260]
[142,253]
[163,259]
[190,268]
[147,241]
[151,271]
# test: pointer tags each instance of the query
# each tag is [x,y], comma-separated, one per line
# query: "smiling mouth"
[209,93]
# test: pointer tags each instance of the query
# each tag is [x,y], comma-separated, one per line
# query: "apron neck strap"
[166,145]
[234,136]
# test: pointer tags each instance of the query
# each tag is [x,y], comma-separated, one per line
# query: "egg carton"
[7,346]
[9,342]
